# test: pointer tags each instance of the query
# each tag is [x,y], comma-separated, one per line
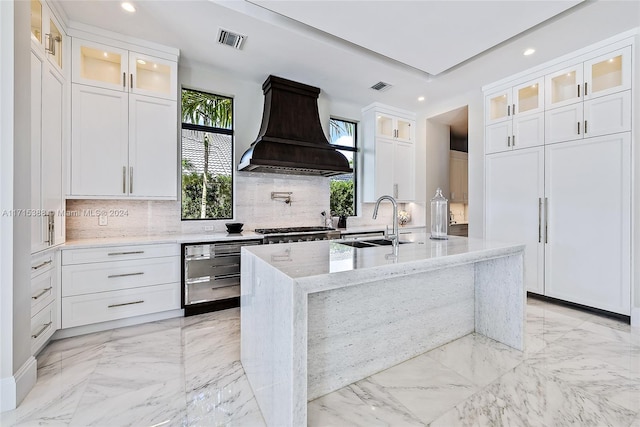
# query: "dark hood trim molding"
[291,139]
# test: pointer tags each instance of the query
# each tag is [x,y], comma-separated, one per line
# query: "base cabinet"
[44,289]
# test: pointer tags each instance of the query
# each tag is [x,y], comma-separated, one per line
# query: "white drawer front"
[86,309]
[111,276]
[43,290]
[42,263]
[42,327]
[118,253]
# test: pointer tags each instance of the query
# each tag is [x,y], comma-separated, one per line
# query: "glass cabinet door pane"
[606,74]
[55,46]
[36,19]
[152,76]
[528,98]
[404,130]
[564,87]
[100,65]
[498,106]
[384,126]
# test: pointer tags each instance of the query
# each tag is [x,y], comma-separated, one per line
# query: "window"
[343,136]
[207,156]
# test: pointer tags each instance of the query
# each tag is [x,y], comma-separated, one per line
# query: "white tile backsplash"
[253,206]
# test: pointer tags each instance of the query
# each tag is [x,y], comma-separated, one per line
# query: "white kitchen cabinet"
[47,34]
[44,287]
[514,193]
[110,67]
[602,75]
[388,153]
[116,282]
[588,191]
[458,177]
[47,141]
[515,117]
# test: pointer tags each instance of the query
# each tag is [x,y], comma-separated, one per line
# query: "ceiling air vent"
[230,39]
[381,86]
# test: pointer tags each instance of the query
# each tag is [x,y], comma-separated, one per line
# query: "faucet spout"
[395,234]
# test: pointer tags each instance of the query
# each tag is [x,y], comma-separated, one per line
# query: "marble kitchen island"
[317,316]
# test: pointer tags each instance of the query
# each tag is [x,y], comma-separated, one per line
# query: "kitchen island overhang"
[317,316]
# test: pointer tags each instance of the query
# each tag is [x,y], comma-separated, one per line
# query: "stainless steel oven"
[211,275]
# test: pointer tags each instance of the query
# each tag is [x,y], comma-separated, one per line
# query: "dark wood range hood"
[291,139]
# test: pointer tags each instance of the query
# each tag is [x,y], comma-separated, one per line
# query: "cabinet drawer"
[111,276]
[42,262]
[104,306]
[43,290]
[42,327]
[117,253]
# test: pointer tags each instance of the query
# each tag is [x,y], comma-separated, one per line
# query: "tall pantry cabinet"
[569,198]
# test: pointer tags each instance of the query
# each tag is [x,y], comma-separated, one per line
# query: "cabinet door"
[384,174]
[498,137]
[99,65]
[52,131]
[153,147]
[528,131]
[38,221]
[589,227]
[607,114]
[54,40]
[404,129]
[457,165]
[564,124]
[608,74]
[385,126]
[528,98]
[36,21]
[152,76]
[99,146]
[404,172]
[498,106]
[564,87]
[513,195]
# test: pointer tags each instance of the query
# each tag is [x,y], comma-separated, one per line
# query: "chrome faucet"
[395,234]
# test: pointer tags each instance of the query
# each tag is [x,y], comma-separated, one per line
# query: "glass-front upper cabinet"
[384,126]
[95,64]
[564,87]
[529,97]
[608,73]
[47,33]
[54,43]
[392,127]
[499,106]
[36,20]
[152,76]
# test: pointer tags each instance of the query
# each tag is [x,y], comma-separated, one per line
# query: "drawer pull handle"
[44,328]
[39,266]
[225,265]
[111,276]
[44,291]
[126,303]
[125,253]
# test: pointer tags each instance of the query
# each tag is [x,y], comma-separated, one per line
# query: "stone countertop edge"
[157,239]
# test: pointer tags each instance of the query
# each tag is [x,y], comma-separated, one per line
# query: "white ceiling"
[419,38]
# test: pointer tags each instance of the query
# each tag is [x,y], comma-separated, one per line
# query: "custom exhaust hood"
[291,139]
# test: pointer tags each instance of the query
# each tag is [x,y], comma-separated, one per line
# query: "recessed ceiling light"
[421,98]
[141,61]
[529,51]
[128,6]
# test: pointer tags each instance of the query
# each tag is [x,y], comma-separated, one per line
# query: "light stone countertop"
[158,239]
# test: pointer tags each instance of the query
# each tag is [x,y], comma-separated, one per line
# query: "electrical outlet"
[102,220]
[209,228]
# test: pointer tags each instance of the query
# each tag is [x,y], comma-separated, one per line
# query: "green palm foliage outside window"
[207,156]
[342,199]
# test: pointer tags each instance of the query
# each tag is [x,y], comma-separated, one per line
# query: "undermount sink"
[369,243]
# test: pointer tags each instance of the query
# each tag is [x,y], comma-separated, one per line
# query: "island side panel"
[356,331]
[266,352]
[501,300]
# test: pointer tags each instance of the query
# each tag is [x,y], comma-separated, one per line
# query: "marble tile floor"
[577,369]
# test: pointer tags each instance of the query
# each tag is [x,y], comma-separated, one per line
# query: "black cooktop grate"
[291,230]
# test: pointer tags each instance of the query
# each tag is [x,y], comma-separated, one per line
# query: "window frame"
[213,130]
[356,152]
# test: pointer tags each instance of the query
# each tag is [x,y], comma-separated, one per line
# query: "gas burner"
[292,230]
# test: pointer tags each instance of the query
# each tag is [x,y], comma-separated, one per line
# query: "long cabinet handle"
[513,111]
[578,91]
[395,191]
[124,179]
[124,79]
[44,291]
[125,253]
[585,94]
[111,276]
[546,220]
[509,141]
[131,180]
[131,80]
[539,219]
[39,266]
[578,128]
[44,328]
[125,303]
[508,110]
[513,140]
[585,127]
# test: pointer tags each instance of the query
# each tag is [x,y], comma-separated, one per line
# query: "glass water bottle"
[439,216]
